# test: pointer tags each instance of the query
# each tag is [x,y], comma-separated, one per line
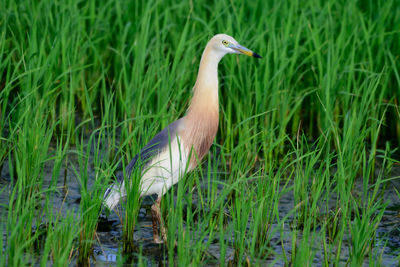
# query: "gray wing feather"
[159,142]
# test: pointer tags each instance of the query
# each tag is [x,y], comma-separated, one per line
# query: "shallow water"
[106,249]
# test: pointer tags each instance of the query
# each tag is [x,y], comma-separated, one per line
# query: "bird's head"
[226,44]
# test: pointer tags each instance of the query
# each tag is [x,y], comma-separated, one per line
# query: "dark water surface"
[109,231]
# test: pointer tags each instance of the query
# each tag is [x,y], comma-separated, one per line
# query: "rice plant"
[304,167]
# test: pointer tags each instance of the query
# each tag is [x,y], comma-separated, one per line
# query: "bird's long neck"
[206,88]
[201,120]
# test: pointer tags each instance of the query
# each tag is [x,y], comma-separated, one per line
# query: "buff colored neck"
[201,120]
[206,88]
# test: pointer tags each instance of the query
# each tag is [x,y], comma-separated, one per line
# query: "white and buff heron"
[179,147]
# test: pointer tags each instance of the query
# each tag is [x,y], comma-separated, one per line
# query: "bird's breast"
[198,134]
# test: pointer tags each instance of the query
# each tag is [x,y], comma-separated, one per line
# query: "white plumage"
[161,173]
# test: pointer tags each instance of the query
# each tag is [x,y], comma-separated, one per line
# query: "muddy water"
[110,230]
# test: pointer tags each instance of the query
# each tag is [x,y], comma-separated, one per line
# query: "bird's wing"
[159,142]
[156,145]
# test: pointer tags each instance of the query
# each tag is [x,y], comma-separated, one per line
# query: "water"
[109,234]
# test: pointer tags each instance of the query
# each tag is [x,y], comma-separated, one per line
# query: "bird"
[180,146]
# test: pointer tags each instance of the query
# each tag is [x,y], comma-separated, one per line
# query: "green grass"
[85,84]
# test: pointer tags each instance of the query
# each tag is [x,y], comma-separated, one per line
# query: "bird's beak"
[244,50]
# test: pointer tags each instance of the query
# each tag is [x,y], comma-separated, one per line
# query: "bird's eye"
[225,43]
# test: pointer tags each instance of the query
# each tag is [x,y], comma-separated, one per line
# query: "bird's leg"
[154,215]
[162,227]
[157,222]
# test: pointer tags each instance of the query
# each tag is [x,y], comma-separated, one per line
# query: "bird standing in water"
[179,147]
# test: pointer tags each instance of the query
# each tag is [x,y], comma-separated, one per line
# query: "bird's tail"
[113,195]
